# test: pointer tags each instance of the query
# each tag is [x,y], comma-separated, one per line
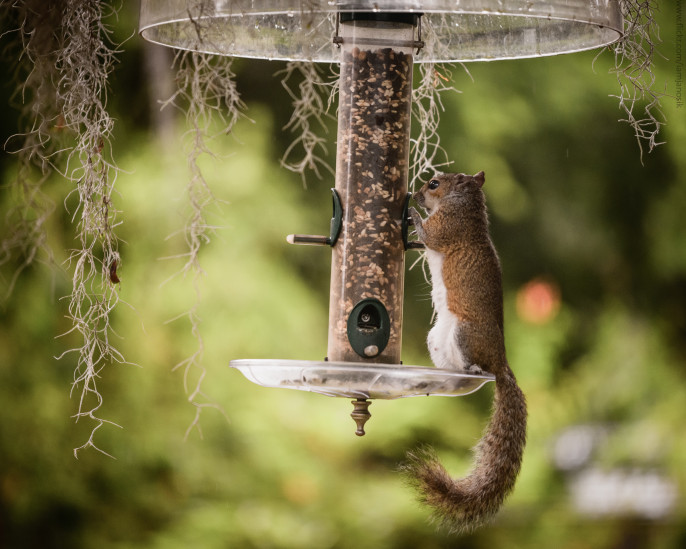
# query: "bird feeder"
[376,44]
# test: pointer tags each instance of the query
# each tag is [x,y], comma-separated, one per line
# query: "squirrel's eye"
[433,184]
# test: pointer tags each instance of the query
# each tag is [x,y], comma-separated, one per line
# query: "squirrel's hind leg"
[443,344]
[475,369]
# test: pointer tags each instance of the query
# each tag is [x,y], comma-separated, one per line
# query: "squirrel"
[468,336]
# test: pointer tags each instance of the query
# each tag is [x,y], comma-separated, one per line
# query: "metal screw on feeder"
[376,43]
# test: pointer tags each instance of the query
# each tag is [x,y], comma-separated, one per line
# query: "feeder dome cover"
[453,30]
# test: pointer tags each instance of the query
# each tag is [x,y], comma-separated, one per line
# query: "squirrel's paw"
[417,223]
[475,370]
[414,215]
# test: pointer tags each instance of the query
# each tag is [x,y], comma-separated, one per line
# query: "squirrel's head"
[448,184]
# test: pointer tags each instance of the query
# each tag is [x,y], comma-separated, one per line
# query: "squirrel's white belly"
[442,339]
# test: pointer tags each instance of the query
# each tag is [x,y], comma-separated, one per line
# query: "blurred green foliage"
[571,204]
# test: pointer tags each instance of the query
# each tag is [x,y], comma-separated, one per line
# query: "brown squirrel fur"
[468,336]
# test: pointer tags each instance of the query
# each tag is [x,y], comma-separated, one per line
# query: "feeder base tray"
[353,380]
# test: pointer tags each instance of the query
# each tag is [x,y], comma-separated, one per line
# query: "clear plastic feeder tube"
[367,272]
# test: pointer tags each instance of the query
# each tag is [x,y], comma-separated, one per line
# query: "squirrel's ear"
[480,178]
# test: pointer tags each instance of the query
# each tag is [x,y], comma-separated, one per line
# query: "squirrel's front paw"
[416,219]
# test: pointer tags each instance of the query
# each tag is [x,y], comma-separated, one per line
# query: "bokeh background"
[592,239]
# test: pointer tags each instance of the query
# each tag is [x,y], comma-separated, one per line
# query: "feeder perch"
[376,44]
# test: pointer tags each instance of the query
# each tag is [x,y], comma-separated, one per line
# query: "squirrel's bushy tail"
[466,503]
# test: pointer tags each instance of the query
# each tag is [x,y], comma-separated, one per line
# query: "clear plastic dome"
[453,30]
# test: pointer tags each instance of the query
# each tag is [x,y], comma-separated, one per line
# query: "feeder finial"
[360,414]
